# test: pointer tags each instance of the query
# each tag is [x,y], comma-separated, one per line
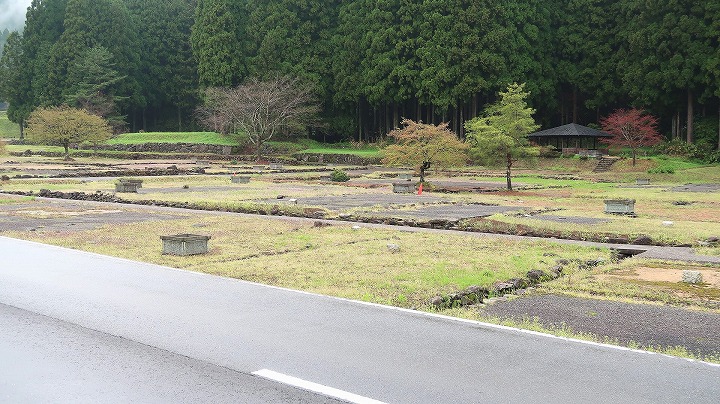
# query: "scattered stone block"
[403,187]
[276,166]
[127,185]
[620,206]
[692,277]
[393,248]
[185,244]
[404,176]
[259,168]
[240,179]
[642,181]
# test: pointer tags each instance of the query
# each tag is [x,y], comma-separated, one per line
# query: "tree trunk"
[574,108]
[67,150]
[507,173]
[634,153]
[718,127]
[690,117]
[258,153]
[396,118]
[22,130]
[424,166]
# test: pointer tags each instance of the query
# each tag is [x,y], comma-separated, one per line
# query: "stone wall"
[346,159]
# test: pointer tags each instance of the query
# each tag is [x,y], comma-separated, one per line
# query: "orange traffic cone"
[420,189]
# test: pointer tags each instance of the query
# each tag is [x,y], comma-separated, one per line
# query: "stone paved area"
[571,219]
[647,325]
[71,215]
[360,201]
[447,212]
[697,188]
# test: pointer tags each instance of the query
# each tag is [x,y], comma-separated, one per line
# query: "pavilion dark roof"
[571,130]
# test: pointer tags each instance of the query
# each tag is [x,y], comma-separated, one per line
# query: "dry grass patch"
[334,260]
[650,281]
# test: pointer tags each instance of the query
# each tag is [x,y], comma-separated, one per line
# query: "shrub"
[339,176]
[661,170]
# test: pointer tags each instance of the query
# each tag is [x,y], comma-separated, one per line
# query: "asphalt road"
[211,328]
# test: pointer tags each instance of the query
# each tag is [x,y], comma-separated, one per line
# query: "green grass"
[173,137]
[348,263]
[8,129]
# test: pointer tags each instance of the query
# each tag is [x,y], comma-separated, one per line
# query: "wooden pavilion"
[572,139]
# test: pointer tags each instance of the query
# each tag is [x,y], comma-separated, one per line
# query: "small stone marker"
[642,181]
[668,223]
[127,185]
[356,227]
[620,206]
[693,277]
[276,166]
[293,200]
[393,248]
[405,176]
[403,187]
[259,168]
[185,244]
[240,179]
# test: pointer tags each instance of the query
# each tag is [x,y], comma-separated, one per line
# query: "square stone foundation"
[240,179]
[403,187]
[127,185]
[620,206]
[185,244]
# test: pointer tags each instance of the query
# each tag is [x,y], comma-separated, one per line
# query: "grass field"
[173,137]
[8,130]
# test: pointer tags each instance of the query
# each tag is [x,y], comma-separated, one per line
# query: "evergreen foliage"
[372,63]
[500,134]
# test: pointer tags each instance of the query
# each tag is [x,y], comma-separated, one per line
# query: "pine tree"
[500,134]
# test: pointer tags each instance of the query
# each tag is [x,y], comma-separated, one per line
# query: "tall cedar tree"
[500,135]
[422,146]
[218,42]
[14,86]
[62,126]
[631,128]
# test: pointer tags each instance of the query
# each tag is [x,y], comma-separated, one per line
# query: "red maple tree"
[631,128]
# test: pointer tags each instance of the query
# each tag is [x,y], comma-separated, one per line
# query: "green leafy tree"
[423,146]
[63,126]
[500,134]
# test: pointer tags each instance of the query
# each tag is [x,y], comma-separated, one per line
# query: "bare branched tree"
[259,110]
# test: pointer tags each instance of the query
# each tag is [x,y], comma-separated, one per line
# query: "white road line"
[315,387]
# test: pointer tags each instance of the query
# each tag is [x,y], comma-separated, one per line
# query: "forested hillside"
[374,62]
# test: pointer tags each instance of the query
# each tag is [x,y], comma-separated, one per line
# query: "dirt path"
[646,325]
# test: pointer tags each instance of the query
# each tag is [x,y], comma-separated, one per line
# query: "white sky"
[12,14]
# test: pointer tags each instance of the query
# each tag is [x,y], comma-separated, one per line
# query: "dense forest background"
[373,62]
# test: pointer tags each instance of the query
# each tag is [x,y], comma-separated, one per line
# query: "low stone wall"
[349,159]
[189,148]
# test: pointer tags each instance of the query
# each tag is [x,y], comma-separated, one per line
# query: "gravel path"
[647,325]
